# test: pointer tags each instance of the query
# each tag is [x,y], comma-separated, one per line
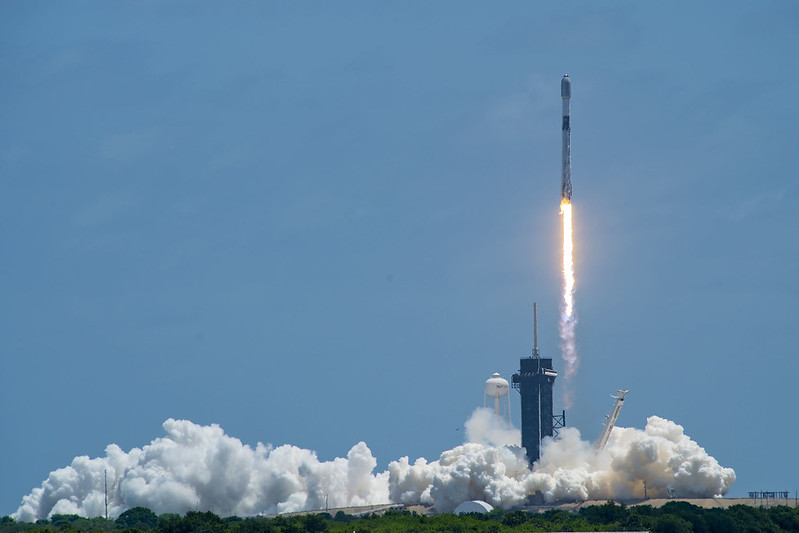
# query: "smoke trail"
[568,317]
[197,467]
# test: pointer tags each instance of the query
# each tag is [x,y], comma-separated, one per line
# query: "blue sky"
[319,223]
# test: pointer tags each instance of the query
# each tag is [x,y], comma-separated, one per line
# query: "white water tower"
[497,388]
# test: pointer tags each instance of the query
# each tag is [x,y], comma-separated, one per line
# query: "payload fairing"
[566,161]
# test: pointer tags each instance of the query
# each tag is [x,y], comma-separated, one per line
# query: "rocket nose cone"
[566,87]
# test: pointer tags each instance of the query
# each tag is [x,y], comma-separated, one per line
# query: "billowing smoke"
[570,469]
[662,456]
[197,467]
[484,427]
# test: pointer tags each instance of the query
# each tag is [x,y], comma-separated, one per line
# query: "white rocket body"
[566,158]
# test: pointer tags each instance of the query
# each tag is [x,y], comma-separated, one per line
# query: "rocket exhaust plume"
[568,318]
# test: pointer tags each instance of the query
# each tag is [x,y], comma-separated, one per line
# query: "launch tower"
[534,382]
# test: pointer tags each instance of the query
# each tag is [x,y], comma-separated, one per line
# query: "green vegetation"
[674,517]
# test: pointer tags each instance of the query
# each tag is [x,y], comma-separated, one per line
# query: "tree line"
[676,516]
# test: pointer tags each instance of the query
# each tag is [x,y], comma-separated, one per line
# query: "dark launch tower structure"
[535,382]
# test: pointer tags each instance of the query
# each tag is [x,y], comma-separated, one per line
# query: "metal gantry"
[611,419]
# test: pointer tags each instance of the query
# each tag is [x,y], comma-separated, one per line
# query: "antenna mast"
[535,329]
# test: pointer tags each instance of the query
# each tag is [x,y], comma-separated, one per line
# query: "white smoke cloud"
[197,467]
[661,456]
[570,469]
[485,427]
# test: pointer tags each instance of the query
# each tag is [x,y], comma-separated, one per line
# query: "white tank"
[497,387]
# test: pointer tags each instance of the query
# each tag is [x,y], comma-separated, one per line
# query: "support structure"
[610,419]
[535,382]
[558,423]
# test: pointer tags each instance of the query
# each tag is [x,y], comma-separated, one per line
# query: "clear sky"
[317,223]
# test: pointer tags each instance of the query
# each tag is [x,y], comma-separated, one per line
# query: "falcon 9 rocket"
[566,158]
